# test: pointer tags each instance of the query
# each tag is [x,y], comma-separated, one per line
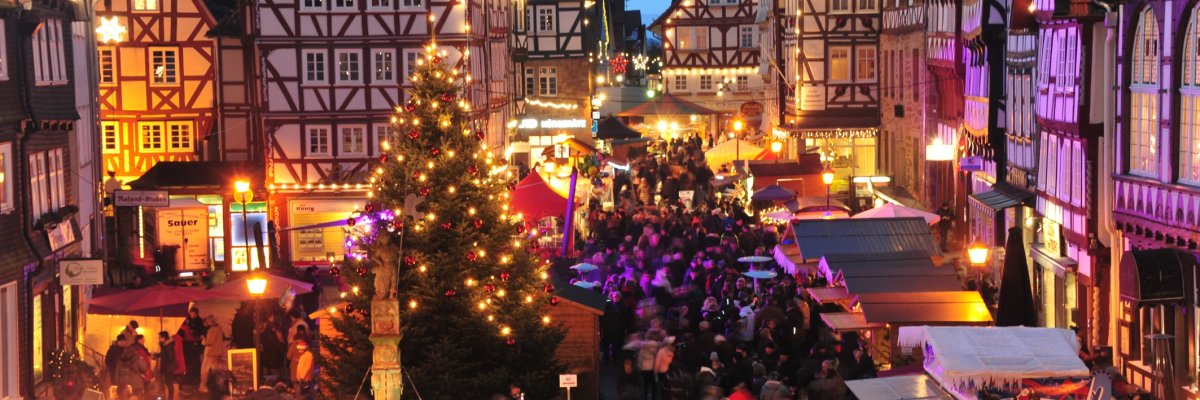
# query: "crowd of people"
[192,362]
[683,322]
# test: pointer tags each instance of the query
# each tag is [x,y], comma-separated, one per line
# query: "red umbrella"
[276,285]
[154,297]
[535,199]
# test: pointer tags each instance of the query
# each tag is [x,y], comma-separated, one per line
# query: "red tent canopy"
[766,155]
[666,104]
[535,199]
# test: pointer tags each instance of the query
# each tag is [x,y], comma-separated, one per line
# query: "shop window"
[10,379]
[39,347]
[244,247]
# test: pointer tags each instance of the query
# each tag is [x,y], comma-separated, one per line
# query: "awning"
[197,174]
[825,295]
[921,308]
[666,104]
[1002,196]
[911,283]
[848,321]
[919,386]
[1060,264]
[1149,276]
[817,238]
[900,263]
[612,128]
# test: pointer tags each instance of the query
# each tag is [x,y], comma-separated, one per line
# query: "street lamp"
[242,194]
[827,178]
[977,254]
[737,132]
[776,147]
[256,284]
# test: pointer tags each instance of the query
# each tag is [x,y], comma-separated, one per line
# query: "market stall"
[1004,362]
[903,387]
[819,237]
[835,266]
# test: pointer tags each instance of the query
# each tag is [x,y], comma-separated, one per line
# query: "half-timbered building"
[712,55]
[156,77]
[332,75]
[38,224]
[944,63]
[555,43]
[837,88]
[1157,196]
[903,93]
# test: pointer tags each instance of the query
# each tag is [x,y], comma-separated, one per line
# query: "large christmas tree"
[441,240]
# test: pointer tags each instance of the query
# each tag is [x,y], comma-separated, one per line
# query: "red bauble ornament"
[447,97]
[511,341]
[369,208]
[512,186]
[521,228]
[471,256]
[351,221]
[489,288]
[335,271]
[383,159]
[361,271]
[410,260]
[478,223]
[349,308]
[504,276]
[471,169]
[549,288]
[479,136]
[437,60]
[414,134]
[416,174]
[554,300]
[435,151]
[425,191]
[447,225]
[410,107]
[450,293]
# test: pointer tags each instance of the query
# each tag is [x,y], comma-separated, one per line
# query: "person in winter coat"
[170,362]
[302,367]
[662,362]
[629,383]
[134,371]
[112,358]
[217,384]
[774,389]
[214,350]
[646,351]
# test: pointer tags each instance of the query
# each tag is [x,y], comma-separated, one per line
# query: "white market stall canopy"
[969,357]
[898,388]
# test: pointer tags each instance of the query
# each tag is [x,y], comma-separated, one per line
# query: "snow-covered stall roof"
[972,356]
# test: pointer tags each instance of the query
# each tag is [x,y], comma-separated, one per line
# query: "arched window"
[1189,110]
[1144,103]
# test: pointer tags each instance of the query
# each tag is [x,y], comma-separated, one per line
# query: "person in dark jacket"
[112,358]
[170,363]
[629,383]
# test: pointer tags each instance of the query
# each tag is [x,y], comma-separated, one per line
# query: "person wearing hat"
[214,349]
[301,366]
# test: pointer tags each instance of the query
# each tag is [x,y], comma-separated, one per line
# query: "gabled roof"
[575,294]
[197,174]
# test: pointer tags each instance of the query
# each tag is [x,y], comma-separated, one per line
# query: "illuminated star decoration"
[110,30]
[619,64]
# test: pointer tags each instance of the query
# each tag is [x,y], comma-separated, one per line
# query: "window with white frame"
[179,137]
[7,203]
[410,3]
[530,82]
[314,66]
[839,64]
[3,67]
[107,64]
[381,136]
[1144,99]
[164,65]
[312,5]
[747,36]
[379,4]
[706,82]
[145,5]
[354,140]
[150,136]
[743,82]
[348,66]
[343,4]
[318,141]
[56,178]
[865,64]
[548,81]
[1070,69]
[545,16]
[110,137]
[10,367]
[49,59]
[681,82]
[38,185]
[410,62]
[839,6]
[867,5]
[1189,109]
[385,65]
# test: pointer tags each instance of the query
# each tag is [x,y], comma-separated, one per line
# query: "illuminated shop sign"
[531,123]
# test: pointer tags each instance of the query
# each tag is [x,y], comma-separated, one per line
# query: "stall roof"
[972,355]
[901,387]
[900,263]
[196,174]
[848,321]
[830,294]
[909,308]
[611,128]
[805,164]
[666,104]
[1002,196]
[817,238]
[907,284]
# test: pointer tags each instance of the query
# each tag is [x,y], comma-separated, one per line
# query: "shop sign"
[812,97]
[532,123]
[186,227]
[1052,238]
[143,198]
[317,244]
[568,381]
[61,234]
[972,163]
[81,272]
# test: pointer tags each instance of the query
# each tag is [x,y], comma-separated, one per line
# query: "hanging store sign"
[1052,238]
[841,133]
[531,123]
[812,98]
[972,163]
[81,272]
[143,198]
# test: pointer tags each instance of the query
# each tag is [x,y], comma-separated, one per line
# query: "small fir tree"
[442,241]
[346,358]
